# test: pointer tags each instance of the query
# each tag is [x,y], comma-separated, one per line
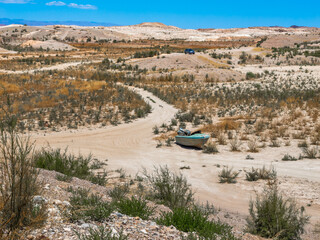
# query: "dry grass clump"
[253,145]
[310,152]
[210,148]
[228,175]
[261,173]
[235,145]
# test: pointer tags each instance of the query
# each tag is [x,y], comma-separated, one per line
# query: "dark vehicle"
[189,51]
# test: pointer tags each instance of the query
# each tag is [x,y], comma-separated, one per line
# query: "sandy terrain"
[296,71]
[49,44]
[199,65]
[152,31]
[130,146]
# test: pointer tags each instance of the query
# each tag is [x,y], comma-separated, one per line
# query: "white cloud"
[55,3]
[15,1]
[82,6]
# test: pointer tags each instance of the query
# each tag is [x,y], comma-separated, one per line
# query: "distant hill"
[8,21]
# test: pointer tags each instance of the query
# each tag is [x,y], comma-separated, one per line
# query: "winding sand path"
[130,146]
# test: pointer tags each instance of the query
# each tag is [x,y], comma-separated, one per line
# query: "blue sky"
[185,14]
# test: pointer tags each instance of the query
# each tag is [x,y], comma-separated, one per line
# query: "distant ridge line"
[8,21]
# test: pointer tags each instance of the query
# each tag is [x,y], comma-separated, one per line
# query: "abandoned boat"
[185,138]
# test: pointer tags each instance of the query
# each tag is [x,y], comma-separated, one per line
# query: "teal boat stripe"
[196,136]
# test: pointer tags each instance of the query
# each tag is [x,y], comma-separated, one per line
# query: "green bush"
[63,178]
[101,233]
[145,54]
[99,178]
[135,207]
[194,220]
[87,206]
[68,164]
[19,181]
[118,192]
[273,216]
[62,162]
[169,188]
[250,75]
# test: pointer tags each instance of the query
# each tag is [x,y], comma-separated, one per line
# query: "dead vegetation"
[54,100]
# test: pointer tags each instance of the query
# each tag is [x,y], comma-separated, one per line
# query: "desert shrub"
[253,145]
[88,206]
[250,75]
[261,173]
[206,208]
[235,145]
[169,188]
[63,178]
[101,233]
[273,216]
[99,178]
[228,176]
[118,192]
[275,143]
[97,164]
[159,144]
[310,152]
[210,148]
[62,162]
[145,54]
[67,164]
[253,175]
[122,172]
[169,141]
[221,139]
[155,130]
[303,144]
[194,220]
[135,207]
[267,174]
[288,157]
[18,177]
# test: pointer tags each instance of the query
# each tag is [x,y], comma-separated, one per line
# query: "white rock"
[39,199]
[85,225]
[66,203]
[57,202]
[114,233]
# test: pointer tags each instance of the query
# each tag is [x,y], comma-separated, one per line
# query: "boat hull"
[197,140]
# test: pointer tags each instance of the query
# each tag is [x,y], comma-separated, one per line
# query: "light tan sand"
[49,44]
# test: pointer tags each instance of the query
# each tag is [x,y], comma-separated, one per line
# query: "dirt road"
[130,146]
